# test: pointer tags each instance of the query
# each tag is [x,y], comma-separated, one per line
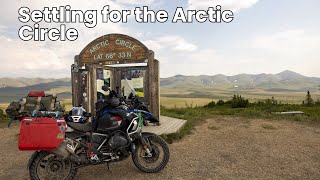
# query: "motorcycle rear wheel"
[160,155]
[52,166]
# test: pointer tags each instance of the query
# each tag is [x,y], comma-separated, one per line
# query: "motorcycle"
[113,135]
[115,103]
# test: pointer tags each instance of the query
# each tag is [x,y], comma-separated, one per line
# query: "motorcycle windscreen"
[136,79]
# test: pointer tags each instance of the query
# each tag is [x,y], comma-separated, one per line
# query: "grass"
[3,105]
[67,103]
[171,102]
[191,109]
[206,93]
[3,117]
[197,115]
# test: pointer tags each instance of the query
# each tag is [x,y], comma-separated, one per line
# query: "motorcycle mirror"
[105,88]
[130,96]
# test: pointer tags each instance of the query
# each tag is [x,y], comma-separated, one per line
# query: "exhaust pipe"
[61,151]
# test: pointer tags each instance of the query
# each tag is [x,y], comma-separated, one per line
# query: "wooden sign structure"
[108,52]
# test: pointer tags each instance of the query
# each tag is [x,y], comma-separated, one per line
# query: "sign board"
[114,47]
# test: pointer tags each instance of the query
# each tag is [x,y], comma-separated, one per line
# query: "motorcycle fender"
[32,158]
[152,118]
[147,134]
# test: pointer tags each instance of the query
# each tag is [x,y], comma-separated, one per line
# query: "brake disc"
[155,155]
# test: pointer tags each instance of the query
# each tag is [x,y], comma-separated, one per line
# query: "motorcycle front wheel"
[45,165]
[160,155]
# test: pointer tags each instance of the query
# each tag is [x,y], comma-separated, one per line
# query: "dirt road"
[221,148]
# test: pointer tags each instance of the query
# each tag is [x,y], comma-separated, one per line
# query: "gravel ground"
[221,148]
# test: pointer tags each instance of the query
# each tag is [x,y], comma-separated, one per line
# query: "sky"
[266,36]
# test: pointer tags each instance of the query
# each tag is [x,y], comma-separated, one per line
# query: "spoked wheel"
[158,160]
[47,166]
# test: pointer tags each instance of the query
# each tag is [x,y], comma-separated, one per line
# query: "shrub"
[308,101]
[268,104]
[228,102]
[1,113]
[210,104]
[3,116]
[271,101]
[239,102]
[189,105]
[220,103]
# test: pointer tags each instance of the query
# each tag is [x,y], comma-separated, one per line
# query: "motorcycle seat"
[81,127]
[118,112]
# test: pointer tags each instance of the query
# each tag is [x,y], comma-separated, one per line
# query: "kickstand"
[108,166]
[11,120]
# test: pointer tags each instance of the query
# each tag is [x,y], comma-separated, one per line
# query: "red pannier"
[36,94]
[41,133]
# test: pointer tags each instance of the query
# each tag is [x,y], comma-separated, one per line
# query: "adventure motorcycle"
[114,135]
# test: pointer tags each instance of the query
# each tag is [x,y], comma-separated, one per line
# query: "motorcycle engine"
[117,141]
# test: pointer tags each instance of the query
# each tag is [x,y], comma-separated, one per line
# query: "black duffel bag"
[13,109]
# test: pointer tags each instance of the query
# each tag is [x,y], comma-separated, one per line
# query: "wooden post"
[116,78]
[92,88]
[84,89]
[76,81]
[154,83]
[146,86]
[156,88]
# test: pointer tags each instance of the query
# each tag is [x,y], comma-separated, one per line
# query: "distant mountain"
[289,75]
[197,86]
[61,87]
[286,80]
[23,82]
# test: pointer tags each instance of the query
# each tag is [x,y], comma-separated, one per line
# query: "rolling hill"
[284,84]
[22,81]
[61,87]
[284,81]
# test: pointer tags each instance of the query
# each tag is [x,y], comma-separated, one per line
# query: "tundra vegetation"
[240,106]
[237,105]
[3,116]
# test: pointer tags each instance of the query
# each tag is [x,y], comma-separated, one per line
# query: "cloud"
[177,43]
[28,58]
[179,56]
[295,42]
[295,49]
[234,5]
[41,59]
[135,2]
[205,61]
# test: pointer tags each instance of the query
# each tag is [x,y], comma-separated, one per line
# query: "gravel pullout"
[221,148]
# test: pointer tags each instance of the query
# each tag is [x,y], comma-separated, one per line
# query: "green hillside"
[286,86]
[22,81]
[60,87]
